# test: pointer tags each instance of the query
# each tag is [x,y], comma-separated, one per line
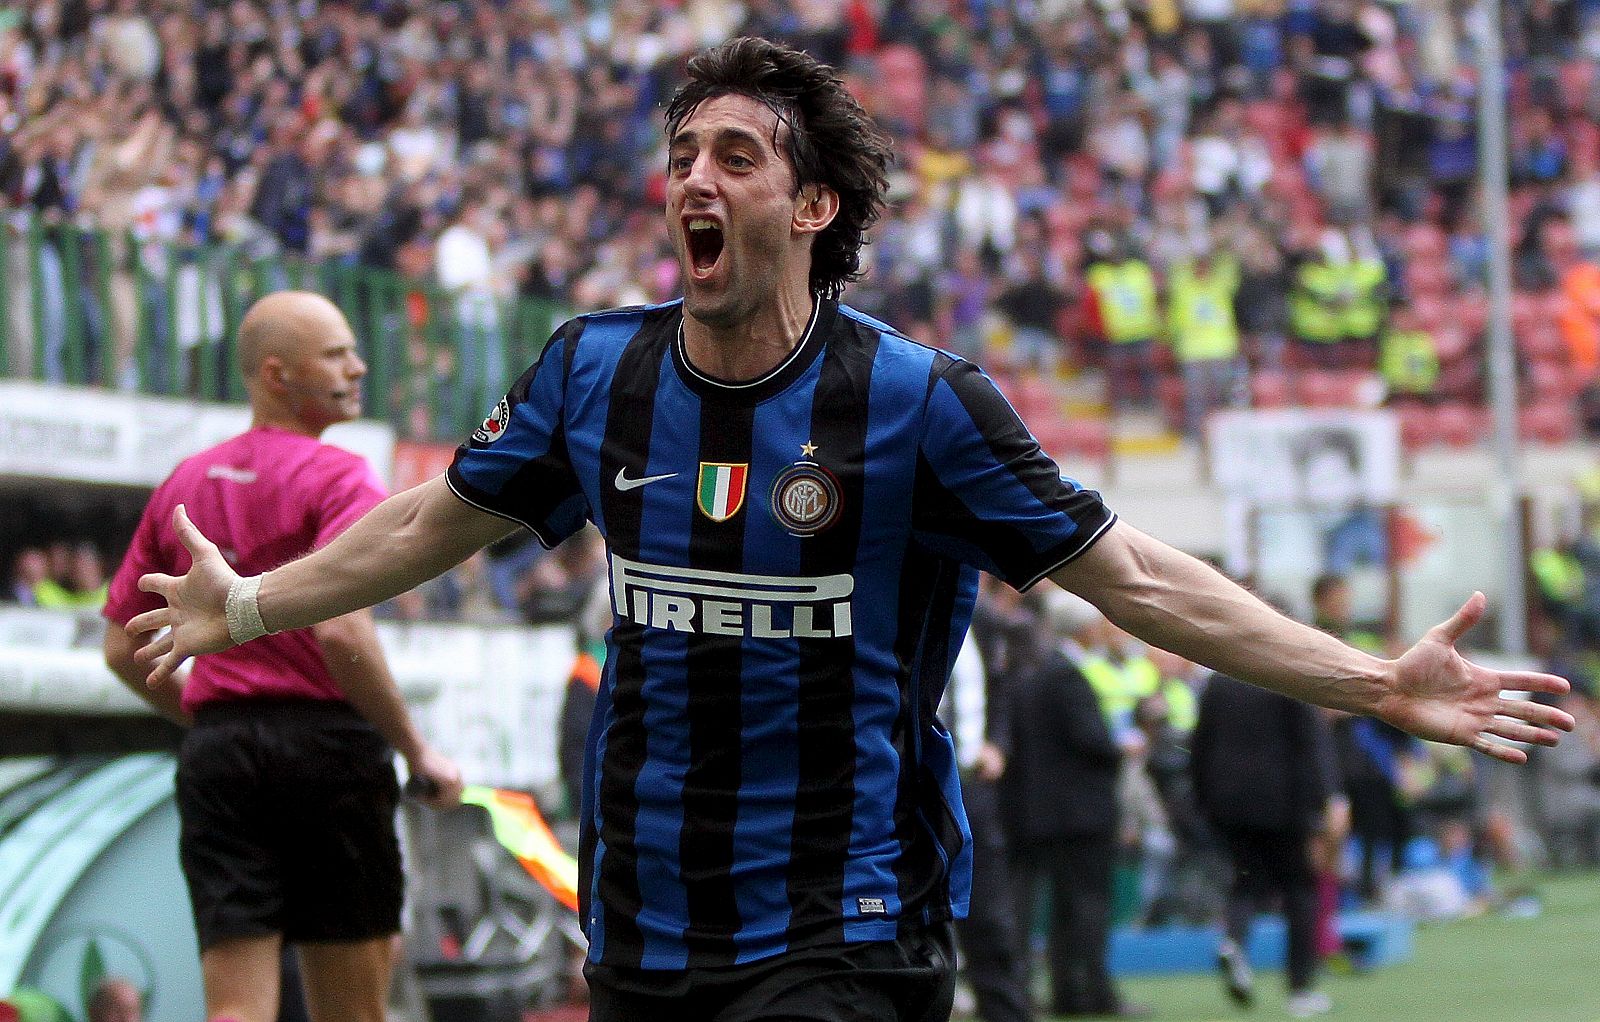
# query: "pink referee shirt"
[265,498]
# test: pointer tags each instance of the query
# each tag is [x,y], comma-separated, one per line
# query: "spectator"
[1123,288]
[29,570]
[1032,304]
[1204,333]
[342,136]
[1266,777]
[115,999]
[1570,788]
[1408,358]
[464,263]
[1059,801]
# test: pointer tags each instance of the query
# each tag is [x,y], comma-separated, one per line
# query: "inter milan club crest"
[806,498]
[720,494]
[494,427]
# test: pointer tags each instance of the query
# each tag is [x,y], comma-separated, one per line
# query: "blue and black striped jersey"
[793,566]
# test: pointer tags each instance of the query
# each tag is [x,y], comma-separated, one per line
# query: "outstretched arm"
[404,541]
[1174,601]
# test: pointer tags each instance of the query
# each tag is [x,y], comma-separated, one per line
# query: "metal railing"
[91,307]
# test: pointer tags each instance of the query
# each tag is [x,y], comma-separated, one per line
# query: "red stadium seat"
[1429,277]
[1270,389]
[1432,311]
[1451,342]
[1425,241]
[1169,392]
[1548,422]
[1541,341]
[1068,440]
[1335,388]
[1470,311]
[1550,381]
[1552,306]
[1572,82]
[1417,429]
[1461,425]
[1525,311]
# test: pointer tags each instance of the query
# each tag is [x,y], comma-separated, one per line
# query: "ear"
[815,208]
[274,374]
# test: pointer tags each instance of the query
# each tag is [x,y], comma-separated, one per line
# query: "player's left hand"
[1437,694]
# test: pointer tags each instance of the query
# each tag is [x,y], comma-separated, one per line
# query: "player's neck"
[276,418]
[754,347]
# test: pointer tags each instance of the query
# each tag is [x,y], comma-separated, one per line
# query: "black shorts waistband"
[223,711]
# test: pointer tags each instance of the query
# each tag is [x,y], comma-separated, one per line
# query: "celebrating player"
[796,501]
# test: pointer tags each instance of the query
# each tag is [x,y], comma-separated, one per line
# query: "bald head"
[286,324]
[298,357]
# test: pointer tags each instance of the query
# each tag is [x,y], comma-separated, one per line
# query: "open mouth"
[704,238]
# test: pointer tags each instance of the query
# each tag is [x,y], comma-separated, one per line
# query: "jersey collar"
[770,383]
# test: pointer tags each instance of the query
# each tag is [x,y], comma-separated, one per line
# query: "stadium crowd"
[1218,201]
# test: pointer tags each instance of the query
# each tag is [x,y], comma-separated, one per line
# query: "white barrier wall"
[490,697]
[79,434]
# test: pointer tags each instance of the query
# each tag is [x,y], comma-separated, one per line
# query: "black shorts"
[911,979]
[288,817]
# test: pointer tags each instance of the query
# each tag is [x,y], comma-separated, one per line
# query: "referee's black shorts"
[288,822]
[910,979]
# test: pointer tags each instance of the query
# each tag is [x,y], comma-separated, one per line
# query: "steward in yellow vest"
[1364,283]
[1316,303]
[1409,363]
[1200,321]
[1125,293]
[1119,684]
[1560,578]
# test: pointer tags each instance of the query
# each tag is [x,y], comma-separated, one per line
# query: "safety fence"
[91,307]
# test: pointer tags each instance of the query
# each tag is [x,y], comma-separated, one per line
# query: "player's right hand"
[195,613]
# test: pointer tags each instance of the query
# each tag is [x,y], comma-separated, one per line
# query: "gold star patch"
[808,449]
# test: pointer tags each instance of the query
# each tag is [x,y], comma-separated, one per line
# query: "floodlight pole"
[1506,489]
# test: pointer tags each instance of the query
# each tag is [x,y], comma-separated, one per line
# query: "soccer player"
[796,501]
[286,782]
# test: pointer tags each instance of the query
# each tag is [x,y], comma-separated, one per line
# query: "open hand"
[195,610]
[1438,694]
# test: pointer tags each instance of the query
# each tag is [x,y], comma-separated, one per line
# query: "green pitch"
[1545,969]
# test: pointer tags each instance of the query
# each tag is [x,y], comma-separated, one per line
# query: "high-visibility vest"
[1119,687]
[52,594]
[1200,311]
[1126,295]
[1363,282]
[1183,709]
[1314,313]
[1409,362]
[1559,575]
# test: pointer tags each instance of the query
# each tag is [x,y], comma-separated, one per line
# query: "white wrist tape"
[244,615]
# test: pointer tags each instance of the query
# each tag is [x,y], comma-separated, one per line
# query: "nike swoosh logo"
[625,484]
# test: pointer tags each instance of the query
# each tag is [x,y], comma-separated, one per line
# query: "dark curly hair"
[831,141]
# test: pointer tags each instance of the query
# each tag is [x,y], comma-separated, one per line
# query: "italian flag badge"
[720,494]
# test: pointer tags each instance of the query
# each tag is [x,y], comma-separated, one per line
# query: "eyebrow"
[723,136]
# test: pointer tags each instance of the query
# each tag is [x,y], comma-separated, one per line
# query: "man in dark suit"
[1265,774]
[1059,805]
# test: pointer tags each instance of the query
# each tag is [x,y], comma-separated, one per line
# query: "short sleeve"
[350,491]
[515,464]
[986,494]
[124,599]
